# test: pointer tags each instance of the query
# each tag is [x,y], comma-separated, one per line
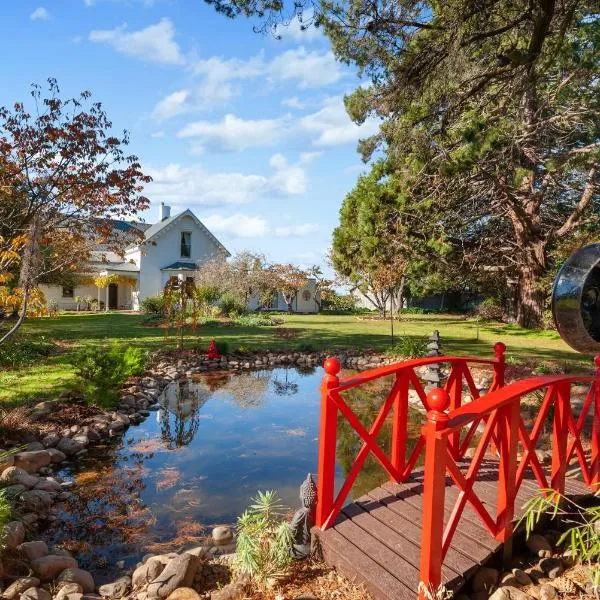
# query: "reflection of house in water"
[179,417]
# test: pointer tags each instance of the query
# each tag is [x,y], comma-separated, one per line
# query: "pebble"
[485,579]
[14,534]
[522,577]
[184,593]
[552,567]
[79,576]
[33,550]
[36,594]
[222,535]
[509,593]
[48,567]
[548,592]
[539,545]
[19,586]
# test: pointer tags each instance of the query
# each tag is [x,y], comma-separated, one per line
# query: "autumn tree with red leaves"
[62,173]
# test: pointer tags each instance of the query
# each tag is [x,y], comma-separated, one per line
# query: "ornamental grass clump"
[581,524]
[264,539]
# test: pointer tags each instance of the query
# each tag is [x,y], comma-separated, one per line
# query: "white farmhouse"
[175,246]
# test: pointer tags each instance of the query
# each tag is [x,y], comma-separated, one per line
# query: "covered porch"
[117,289]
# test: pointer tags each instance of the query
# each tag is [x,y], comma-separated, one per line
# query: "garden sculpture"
[576,300]
[212,353]
[304,519]
[433,374]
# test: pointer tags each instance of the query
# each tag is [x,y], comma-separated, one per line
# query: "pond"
[197,461]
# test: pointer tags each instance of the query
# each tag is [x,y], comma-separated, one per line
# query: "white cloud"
[309,68]
[237,225]
[331,125]
[233,134]
[155,43]
[157,134]
[192,185]
[296,230]
[39,14]
[172,105]
[294,102]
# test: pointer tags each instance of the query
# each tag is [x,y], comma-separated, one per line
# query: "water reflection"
[216,440]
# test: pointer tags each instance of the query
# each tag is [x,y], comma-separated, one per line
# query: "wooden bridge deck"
[376,539]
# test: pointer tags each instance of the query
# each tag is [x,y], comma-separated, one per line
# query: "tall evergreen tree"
[490,109]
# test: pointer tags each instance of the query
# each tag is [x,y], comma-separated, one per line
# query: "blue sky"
[246,130]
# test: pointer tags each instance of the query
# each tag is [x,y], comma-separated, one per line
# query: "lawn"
[330,332]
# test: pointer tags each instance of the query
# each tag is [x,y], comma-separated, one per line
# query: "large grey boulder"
[36,500]
[179,572]
[14,534]
[147,572]
[15,589]
[17,475]
[69,446]
[48,567]
[33,550]
[80,577]
[32,462]
[117,589]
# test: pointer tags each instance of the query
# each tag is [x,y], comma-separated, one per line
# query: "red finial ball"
[597,360]
[332,366]
[499,348]
[438,399]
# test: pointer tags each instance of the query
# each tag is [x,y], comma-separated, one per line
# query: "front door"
[113,294]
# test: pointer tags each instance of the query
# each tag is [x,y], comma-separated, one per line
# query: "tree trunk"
[531,297]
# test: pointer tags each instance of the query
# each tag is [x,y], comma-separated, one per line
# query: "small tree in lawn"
[67,174]
[289,280]
[323,286]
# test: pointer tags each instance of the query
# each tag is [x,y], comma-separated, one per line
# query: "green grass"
[330,332]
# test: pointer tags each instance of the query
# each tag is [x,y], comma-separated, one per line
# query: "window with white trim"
[186,244]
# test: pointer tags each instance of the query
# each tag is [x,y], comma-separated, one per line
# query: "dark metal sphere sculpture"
[576,300]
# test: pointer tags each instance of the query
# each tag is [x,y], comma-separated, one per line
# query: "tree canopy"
[63,176]
[489,110]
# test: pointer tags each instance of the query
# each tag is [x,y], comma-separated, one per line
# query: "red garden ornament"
[213,352]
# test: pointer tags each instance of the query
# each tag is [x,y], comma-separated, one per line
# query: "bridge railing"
[504,422]
[397,464]
[449,431]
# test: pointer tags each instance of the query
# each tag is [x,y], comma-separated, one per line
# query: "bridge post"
[595,458]
[400,423]
[508,438]
[434,489]
[560,435]
[327,443]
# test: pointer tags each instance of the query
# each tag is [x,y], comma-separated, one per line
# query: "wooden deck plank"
[456,561]
[377,539]
[360,568]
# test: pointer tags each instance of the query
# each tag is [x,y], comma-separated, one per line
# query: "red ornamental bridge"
[434,525]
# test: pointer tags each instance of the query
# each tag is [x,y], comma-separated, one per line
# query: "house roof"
[181,266]
[157,228]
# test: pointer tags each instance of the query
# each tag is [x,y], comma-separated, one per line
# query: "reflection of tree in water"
[180,416]
[106,513]
[248,390]
[284,387]
[365,402]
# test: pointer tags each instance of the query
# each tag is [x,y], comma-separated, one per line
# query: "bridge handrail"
[398,465]
[467,413]
[501,411]
[346,383]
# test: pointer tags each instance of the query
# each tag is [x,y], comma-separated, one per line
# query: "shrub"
[153,305]
[490,309]
[256,320]
[222,347]
[102,369]
[339,302]
[264,539]
[305,347]
[409,347]
[232,306]
[21,352]
[6,511]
